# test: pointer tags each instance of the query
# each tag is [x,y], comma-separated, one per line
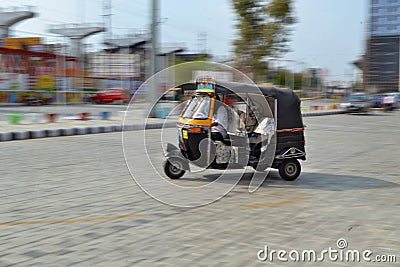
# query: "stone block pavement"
[71,201]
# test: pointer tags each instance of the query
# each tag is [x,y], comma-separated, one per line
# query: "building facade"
[381,67]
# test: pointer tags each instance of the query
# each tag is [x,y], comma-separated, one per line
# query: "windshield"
[198,108]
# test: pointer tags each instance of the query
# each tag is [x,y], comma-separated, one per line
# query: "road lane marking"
[270,204]
[72,220]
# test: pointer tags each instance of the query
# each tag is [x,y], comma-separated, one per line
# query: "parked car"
[359,102]
[112,95]
[377,101]
[37,99]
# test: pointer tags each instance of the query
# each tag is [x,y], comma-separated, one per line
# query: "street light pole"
[154,89]
[154,35]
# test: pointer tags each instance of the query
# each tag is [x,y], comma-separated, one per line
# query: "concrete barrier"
[67,131]
[94,130]
[117,128]
[81,130]
[53,132]
[107,129]
[325,113]
[38,134]
[6,136]
[21,135]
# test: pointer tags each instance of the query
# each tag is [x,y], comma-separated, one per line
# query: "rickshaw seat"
[227,141]
[235,140]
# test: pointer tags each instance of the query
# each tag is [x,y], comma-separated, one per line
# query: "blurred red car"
[112,95]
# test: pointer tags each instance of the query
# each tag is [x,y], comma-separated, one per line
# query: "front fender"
[174,154]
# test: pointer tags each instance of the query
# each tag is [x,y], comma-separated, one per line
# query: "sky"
[329,34]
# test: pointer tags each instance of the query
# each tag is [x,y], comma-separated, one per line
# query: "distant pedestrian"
[388,102]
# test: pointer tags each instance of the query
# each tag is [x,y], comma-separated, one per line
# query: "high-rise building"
[381,65]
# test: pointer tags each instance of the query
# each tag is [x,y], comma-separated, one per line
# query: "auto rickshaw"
[264,129]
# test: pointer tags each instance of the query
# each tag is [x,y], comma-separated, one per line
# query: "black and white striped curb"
[34,134]
[325,113]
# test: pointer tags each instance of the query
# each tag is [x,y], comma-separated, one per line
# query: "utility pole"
[154,36]
[202,42]
[155,88]
[107,19]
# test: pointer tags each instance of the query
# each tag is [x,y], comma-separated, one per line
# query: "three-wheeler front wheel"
[175,170]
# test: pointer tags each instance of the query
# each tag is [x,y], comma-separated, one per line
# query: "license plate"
[185,134]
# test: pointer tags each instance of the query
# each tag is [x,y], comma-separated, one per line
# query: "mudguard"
[173,154]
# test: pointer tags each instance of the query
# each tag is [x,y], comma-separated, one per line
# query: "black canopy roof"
[289,114]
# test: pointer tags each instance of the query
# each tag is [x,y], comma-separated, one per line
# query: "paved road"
[71,201]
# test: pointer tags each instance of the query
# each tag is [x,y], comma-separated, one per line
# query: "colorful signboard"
[22,43]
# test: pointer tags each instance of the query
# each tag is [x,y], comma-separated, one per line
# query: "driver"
[219,121]
[206,86]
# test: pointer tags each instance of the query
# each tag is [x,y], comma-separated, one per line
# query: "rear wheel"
[290,169]
[173,171]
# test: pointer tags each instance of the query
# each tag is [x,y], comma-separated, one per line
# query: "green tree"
[285,78]
[298,80]
[263,30]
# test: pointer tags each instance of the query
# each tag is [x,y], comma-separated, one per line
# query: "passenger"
[228,102]
[252,119]
[242,121]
